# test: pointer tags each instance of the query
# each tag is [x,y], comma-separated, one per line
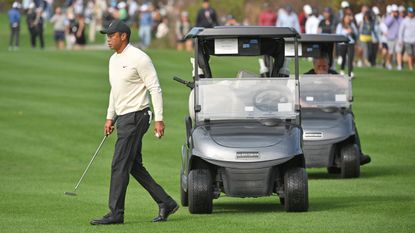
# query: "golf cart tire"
[282,201]
[296,190]
[184,198]
[200,191]
[350,161]
[333,170]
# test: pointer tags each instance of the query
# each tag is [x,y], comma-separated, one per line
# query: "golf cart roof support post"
[196,78]
[297,77]
[349,59]
[296,58]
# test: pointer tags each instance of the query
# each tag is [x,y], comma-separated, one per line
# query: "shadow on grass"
[361,202]
[239,207]
[366,172]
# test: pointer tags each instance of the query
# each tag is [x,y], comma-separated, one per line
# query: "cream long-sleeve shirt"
[132,78]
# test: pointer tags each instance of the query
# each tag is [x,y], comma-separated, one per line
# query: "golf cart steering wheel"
[267,100]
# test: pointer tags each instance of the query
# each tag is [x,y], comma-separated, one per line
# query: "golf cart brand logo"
[313,135]
[247,155]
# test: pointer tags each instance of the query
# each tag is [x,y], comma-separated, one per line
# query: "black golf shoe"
[165,211]
[109,219]
[365,159]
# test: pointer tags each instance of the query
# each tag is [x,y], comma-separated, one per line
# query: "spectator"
[231,21]
[288,18]
[393,23]
[14,22]
[146,21]
[359,49]
[79,31]
[132,12]
[206,16]
[402,11]
[313,20]
[35,24]
[302,17]
[58,21]
[345,9]
[162,28]
[327,25]
[267,17]
[122,11]
[376,36]
[407,37]
[183,26]
[348,29]
[69,23]
[366,30]
[383,36]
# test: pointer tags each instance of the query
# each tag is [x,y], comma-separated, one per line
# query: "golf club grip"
[177,79]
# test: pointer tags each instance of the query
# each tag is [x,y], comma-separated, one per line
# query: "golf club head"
[70,193]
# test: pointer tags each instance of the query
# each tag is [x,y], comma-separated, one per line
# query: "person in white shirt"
[132,78]
[313,20]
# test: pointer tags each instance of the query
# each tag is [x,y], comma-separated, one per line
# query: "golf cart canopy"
[313,45]
[241,41]
[246,31]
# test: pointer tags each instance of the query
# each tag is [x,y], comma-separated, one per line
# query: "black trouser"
[35,32]
[127,160]
[342,51]
[14,36]
[374,53]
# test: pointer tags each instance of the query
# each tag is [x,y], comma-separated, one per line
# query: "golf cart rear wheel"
[350,161]
[183,194]
[296,190]
[200,191]
[333,170]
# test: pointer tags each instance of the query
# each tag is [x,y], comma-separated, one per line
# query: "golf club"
[89,164]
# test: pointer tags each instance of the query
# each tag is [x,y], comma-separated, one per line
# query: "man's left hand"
[159,129]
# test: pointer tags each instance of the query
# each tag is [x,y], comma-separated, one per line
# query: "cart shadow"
[365,173]
[239,207]
[361,202]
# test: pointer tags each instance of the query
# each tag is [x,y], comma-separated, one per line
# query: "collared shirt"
[132,78]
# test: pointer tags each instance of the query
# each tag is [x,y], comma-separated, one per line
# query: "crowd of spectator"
[386,40]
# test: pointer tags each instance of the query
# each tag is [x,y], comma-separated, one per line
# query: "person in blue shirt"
[146,22]
[14,22]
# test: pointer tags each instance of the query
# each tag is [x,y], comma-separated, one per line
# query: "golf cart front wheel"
[350,161]
[200,191]
[296,190]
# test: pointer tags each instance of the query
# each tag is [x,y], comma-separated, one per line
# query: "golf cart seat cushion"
[192,105]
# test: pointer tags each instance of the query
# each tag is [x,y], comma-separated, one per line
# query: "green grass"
[52,113]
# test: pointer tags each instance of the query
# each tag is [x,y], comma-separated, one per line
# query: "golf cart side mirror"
[190,85]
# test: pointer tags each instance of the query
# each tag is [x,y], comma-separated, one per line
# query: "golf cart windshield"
[246,98]
[321,91]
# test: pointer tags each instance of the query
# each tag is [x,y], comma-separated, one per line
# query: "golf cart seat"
[246,74]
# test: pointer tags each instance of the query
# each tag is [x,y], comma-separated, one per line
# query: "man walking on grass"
[132,76]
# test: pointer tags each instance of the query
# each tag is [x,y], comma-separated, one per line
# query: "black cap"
[116,26]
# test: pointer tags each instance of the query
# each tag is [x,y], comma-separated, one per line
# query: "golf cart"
[330,137]
[243,135]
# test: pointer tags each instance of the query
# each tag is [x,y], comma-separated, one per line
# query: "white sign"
[309,98]
[290,50]
[226,46]
[341,98]
[285,107]
[249,108]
